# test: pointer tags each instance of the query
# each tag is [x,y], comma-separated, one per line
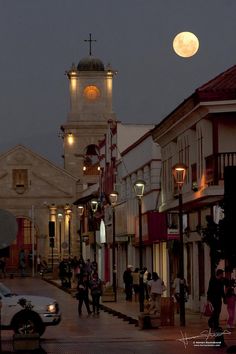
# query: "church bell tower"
[90,91]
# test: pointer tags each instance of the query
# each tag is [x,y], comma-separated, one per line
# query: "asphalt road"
[103,334]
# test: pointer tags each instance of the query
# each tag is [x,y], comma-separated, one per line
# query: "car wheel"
[28,323]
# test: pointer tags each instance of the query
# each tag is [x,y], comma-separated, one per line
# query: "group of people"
[153,287]
[221,288]
[89,282]
[131,280]
[84,274]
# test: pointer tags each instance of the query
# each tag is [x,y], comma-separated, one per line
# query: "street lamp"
[94,206]
[179,173]
[81,212]
[60,218]
[113,200]
[139,190]
[69,212]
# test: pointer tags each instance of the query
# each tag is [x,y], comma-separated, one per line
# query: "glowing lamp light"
[113,198]
[139,188]
[70,139]
[94,205]
[186,44]
[73,83]
[80,210]
[72,72]
[60,216]
[179,172]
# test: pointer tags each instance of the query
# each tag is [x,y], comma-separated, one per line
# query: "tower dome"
[90,64]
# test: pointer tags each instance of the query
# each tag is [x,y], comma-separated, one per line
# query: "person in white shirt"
[176,290]
[156,286]
[146,277]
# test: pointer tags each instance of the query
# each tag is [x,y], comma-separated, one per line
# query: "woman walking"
[96,292]
[82,294]
[156,286]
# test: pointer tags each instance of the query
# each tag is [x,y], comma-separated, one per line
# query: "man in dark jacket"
[128,280]
[215,294]
[82,294]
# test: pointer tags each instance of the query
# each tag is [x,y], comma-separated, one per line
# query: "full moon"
[185,44]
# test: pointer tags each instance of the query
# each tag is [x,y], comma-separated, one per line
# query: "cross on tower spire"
[90,40]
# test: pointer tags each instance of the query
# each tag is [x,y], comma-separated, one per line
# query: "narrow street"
[102,334]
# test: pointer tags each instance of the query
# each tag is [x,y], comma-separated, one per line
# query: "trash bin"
[167,311]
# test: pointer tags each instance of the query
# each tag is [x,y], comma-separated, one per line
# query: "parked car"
[27,313]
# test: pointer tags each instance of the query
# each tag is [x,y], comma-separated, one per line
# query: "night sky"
[39,40]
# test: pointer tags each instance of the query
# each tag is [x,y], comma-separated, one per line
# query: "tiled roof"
[222,87]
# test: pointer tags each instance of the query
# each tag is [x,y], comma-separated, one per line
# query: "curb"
[107,309]
[120,315]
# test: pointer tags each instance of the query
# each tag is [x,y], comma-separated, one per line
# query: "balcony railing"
[215,165]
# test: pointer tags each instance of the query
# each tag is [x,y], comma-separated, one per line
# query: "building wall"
[195,136]
[49,189]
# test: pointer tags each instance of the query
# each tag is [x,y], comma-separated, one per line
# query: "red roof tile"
[222,87]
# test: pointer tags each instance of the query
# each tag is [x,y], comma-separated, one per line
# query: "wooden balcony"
[215,165]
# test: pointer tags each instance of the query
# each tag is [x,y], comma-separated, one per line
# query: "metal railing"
[215,165]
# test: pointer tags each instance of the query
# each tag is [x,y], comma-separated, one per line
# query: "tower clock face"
[92,92]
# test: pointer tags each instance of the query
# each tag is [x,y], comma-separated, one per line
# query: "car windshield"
[5,291]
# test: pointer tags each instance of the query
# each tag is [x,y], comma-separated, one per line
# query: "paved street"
[103,334]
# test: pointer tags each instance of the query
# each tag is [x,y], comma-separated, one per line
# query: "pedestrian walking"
[156,286]
[30,259]
[38,261]
[230,299]
[230,296]
[95,285]
[215,294]
[22,262]
[81,266]
[65,273]
[176,290]
[88,267]
[128,280]
[146,277]
[82,293]
[136,280]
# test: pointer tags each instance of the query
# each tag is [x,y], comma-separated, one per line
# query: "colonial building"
[36,191]
[200,133]
[127,154]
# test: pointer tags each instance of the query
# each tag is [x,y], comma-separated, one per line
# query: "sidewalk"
[129,311]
